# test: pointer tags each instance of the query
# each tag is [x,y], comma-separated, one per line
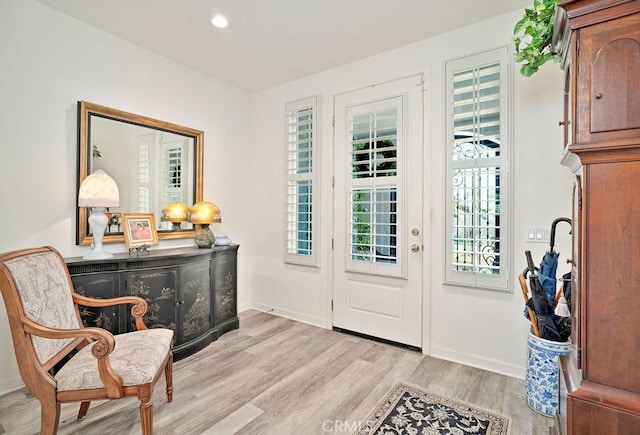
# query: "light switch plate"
[538,234]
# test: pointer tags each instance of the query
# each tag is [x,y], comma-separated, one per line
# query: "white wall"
[479,328]
[50,61]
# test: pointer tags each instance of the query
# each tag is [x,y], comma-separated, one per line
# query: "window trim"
[502,281]
[313,177]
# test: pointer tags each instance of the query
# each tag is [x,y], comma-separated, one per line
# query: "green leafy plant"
[361,236]
[532,36]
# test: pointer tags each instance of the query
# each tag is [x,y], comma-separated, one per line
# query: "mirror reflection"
[153,162]
[154,172]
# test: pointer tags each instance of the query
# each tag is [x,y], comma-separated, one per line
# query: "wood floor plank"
[235,421]
[277,376]
[401,370]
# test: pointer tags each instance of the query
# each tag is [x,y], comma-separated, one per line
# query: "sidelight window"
[301,194]
[478,205]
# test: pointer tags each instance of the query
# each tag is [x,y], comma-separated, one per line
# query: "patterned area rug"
[409,410]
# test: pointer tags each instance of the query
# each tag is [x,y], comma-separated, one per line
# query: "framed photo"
[139,230]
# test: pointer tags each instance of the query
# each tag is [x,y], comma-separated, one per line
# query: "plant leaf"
[536,25]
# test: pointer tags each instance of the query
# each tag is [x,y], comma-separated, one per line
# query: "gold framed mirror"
[153,163]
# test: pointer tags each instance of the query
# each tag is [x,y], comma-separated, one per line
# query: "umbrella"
[529,314]
[542,306]
[566,287]
[562,311]
[549,264]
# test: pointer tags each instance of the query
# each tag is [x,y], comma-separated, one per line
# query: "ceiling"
[270,42]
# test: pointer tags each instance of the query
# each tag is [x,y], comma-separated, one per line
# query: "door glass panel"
[374,148]
[374,224]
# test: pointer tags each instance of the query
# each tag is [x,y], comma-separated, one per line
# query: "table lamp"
[204,213]
[175,212]
[98,191]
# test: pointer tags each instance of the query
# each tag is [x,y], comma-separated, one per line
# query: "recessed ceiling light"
[219,21]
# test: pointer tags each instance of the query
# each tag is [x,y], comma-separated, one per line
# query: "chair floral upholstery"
[47,331]
[44,290]
[136,358]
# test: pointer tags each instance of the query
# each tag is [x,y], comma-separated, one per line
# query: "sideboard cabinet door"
[194,306]
[225,285]
[101,286]
[157,287]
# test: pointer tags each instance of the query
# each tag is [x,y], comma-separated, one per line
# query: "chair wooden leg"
[84,408]
[146,411]
[49,417]
[146,417]
[168,375]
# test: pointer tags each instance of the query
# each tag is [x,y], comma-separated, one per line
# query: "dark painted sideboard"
[189,290]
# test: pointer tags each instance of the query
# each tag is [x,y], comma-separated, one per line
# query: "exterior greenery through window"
[301,137]
[478,181]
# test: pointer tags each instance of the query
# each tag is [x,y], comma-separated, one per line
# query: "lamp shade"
[205,212]
[99,190]
[175,211]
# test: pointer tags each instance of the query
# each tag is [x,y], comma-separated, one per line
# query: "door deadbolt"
[415,232]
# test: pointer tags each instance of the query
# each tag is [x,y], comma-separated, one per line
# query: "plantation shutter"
[376,187]
[374,170]
[300,196]
[478,184]
[144,173]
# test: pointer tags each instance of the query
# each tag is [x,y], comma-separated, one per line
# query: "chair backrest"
[41,281]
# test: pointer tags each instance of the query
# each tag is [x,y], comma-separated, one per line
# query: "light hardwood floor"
[278,376]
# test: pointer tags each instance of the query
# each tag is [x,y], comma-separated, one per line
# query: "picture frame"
[139,230]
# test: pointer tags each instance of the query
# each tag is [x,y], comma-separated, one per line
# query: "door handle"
[415,247]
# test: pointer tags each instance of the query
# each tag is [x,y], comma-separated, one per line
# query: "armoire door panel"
[608,97]
[612,272]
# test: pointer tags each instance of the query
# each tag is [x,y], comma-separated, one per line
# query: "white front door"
[378,211]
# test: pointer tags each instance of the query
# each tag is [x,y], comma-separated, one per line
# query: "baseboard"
[11,385]
[244,307]
[479,363]
[311,320]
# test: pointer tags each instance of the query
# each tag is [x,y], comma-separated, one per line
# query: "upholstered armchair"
[46,328]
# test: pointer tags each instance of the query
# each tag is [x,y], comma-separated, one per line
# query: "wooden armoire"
[599,44]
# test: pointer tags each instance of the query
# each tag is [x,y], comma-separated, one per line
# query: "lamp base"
[204,237]
[98,223]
